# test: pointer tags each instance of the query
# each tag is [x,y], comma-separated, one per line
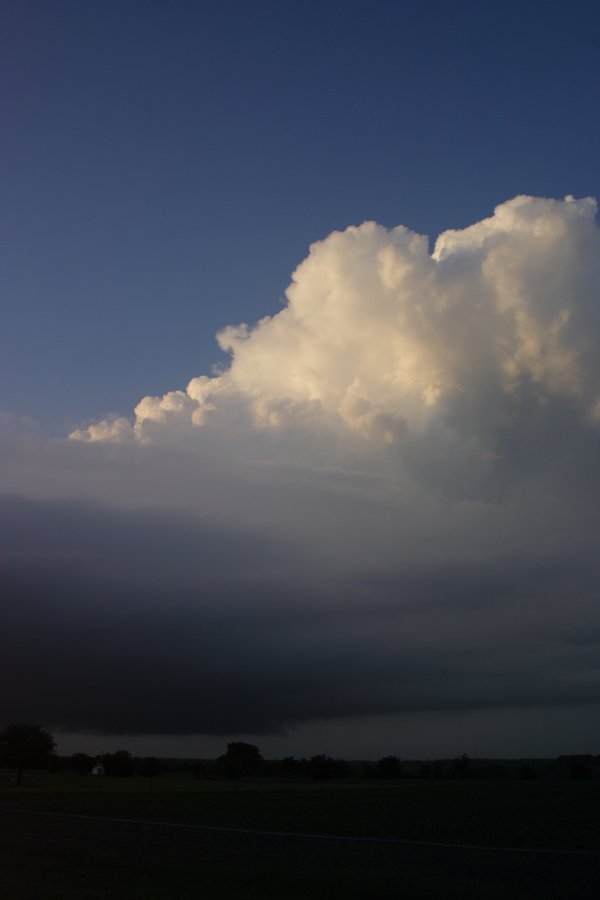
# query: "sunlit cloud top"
[382,338]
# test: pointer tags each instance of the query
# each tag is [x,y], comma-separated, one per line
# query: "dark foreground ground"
[77,849]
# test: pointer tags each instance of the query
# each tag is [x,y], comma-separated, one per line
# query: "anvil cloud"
[386,503]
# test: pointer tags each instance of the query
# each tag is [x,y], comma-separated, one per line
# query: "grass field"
[59,857]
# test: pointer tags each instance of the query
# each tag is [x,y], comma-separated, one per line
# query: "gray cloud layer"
[100,632]
[388,502]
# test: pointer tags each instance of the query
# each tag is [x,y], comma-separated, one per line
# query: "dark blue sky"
[165,165]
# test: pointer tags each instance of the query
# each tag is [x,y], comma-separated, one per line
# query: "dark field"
[56,856]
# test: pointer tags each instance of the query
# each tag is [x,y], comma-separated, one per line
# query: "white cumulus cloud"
[437,354]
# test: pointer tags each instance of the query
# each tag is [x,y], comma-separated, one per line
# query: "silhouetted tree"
[494,770]
[23,745]
[82,763]
[462,766]
[438,769]
[119,764]
[579,766]
[290,766]
[324,767]
[389,767]
[241,759]
[580,771]
[148,766]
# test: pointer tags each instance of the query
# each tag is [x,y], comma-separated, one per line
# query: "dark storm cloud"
[148,546]
[97,635]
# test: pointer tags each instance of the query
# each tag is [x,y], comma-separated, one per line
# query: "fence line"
[341,838]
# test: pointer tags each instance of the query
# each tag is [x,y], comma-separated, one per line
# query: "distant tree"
[462,767]
[23,745]
[580,771]
[241,759]
[82,763]
[438,769]
[148,766]
[304,767]
[249,752]
[325,767]
[290,766]
[389,767]
[579,766]
[494,770]
[119,764]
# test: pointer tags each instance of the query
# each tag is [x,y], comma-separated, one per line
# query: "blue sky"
[165,165]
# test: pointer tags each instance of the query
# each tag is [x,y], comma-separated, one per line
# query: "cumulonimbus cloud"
[388,501]
[383,339]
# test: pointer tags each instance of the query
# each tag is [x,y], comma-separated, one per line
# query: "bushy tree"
[290,766]
[23,745]
[148,766]
[82,763]
[389,767]
[241,759]
[462,767]
[119,764]
[324,767]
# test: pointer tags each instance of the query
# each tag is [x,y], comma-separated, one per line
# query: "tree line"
[27,746]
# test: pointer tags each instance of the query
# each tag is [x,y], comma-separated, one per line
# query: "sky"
[299,381]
